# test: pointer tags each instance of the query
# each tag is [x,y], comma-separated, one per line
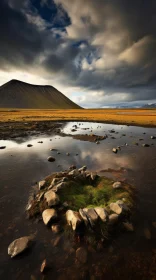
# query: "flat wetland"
[142,117]
[129,255]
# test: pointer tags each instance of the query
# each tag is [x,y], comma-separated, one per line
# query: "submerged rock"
[51,198]
[128,226]
[73,219]
[48,215]
[19,245]
[102,213]
[153,137]
[81,255]
[145,145]
[117,185]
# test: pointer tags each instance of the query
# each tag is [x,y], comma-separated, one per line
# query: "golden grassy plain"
[142,117]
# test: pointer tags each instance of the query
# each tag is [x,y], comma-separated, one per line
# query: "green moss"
[100,194]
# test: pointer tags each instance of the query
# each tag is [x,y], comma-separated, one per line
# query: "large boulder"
[48,215]
[51,198]
[91,215]
[102,213]
[19,245]
[73,219]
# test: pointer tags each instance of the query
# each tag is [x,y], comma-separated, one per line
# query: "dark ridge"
[18,94]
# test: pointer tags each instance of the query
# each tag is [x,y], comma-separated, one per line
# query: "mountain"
[17,94]
[152,106]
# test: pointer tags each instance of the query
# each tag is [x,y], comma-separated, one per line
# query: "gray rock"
[19,245]
[81,255]
[91,215]
[41,184]
[102,213]
[73,219]
[113,219]
[49,215]
[117,185]
[118,207]
[51,198]
[84,216]
[153,137]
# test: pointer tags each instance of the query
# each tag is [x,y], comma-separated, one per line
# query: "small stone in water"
[43,266]
[29,145]
[51,159]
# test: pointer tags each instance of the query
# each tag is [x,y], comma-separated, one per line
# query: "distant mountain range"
[133,106]
[17,94]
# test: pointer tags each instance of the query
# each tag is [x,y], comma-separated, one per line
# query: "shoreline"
[15,129]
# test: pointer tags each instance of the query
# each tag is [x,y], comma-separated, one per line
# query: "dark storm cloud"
[98,45]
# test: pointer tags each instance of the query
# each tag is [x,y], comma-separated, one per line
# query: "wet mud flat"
[132,254]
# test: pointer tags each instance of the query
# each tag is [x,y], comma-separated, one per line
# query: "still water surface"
[21,167]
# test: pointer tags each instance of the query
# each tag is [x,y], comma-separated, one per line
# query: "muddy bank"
[11,130]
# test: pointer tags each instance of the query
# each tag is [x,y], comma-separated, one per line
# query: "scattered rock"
[117,185]
[145,145]
[67,154]
[41,184]
[73,219]
[2,147]
[102,213]
[29,145]
[19,245]
[49,215]
[81,255]
[51,198]
[113,219]
[115,150]
[51,159]
[153,137]
[43,266]
[128,226]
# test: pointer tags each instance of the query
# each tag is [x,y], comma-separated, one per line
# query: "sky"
[96,52]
